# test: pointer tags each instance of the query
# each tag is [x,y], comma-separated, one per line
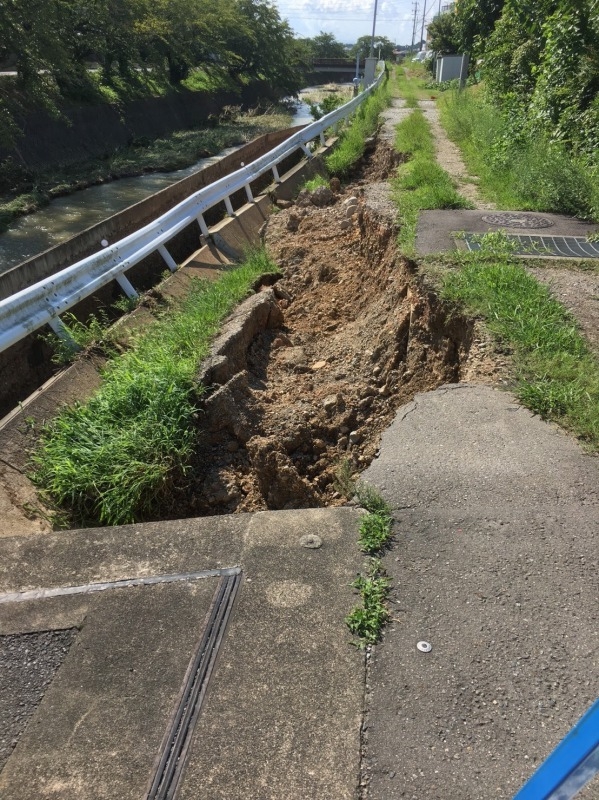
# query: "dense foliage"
[69,48]
[537,117]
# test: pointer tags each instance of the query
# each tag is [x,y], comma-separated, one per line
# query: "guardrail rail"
[42,303]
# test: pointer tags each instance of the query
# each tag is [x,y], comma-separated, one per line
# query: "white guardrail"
[43,302]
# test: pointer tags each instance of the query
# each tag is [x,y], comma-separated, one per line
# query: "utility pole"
[423,19]
[373,30]
[414,26]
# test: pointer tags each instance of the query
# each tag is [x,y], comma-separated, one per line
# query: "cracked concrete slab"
[495,564]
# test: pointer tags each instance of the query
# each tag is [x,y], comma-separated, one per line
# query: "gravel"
[28,663]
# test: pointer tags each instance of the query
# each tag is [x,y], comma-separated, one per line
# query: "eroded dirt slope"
[360,335]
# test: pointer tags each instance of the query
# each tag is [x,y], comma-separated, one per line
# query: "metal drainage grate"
[176,744]
[542,246]
[514,219]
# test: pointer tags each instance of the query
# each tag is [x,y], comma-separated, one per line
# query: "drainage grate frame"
[177,741]
[540,246]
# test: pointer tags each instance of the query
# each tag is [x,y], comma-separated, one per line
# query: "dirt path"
[449,157]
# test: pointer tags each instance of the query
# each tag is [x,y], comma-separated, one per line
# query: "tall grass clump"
[557,375]
[114,458]
[351,145]
[518,167]
[410,80]
[420,183]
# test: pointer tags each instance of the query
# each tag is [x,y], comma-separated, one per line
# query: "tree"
[326,46]
[381,43]
[475,22]
[444,34]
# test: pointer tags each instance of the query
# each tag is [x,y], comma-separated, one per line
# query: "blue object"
[573,763]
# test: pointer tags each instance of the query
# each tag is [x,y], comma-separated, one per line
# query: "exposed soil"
[361,334]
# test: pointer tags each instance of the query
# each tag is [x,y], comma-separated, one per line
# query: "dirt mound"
[360,336]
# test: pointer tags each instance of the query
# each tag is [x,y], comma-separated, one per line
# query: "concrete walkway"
[210,657]
[495,565]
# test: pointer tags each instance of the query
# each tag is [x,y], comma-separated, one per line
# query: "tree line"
[76,50]
[539,60]
[69,49]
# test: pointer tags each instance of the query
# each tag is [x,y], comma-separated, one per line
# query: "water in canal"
[67,216]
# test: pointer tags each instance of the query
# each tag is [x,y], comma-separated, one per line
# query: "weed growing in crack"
[370,499]
[366,621]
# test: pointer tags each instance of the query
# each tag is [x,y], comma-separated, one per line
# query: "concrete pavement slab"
[495,565]
[277,713]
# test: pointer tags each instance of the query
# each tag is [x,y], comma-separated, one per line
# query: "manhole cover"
[512,219]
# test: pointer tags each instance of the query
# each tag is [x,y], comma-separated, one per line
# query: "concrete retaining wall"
[93,131]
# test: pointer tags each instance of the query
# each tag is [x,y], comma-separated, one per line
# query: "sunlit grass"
[557,376]
[114,458]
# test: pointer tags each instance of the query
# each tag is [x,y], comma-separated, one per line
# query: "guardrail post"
[323,141]
[127,286]
[170,261]
[203,227]
[275,172]
[307,151]
[229,207]
[249,194]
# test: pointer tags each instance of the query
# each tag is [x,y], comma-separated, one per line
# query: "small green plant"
[370,499]
[314,183]
[366,620]
[376,526]
[127,304]
[344,482]
[81,335]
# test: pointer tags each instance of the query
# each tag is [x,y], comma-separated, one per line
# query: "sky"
[347,20]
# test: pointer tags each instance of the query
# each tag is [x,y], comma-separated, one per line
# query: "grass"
[366,620]
[420,182]
[375,526]
[23,191]
[80,335]
[409,83]
[314,183]
[350,147]
[113,459]
[518,169]
[557,376]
